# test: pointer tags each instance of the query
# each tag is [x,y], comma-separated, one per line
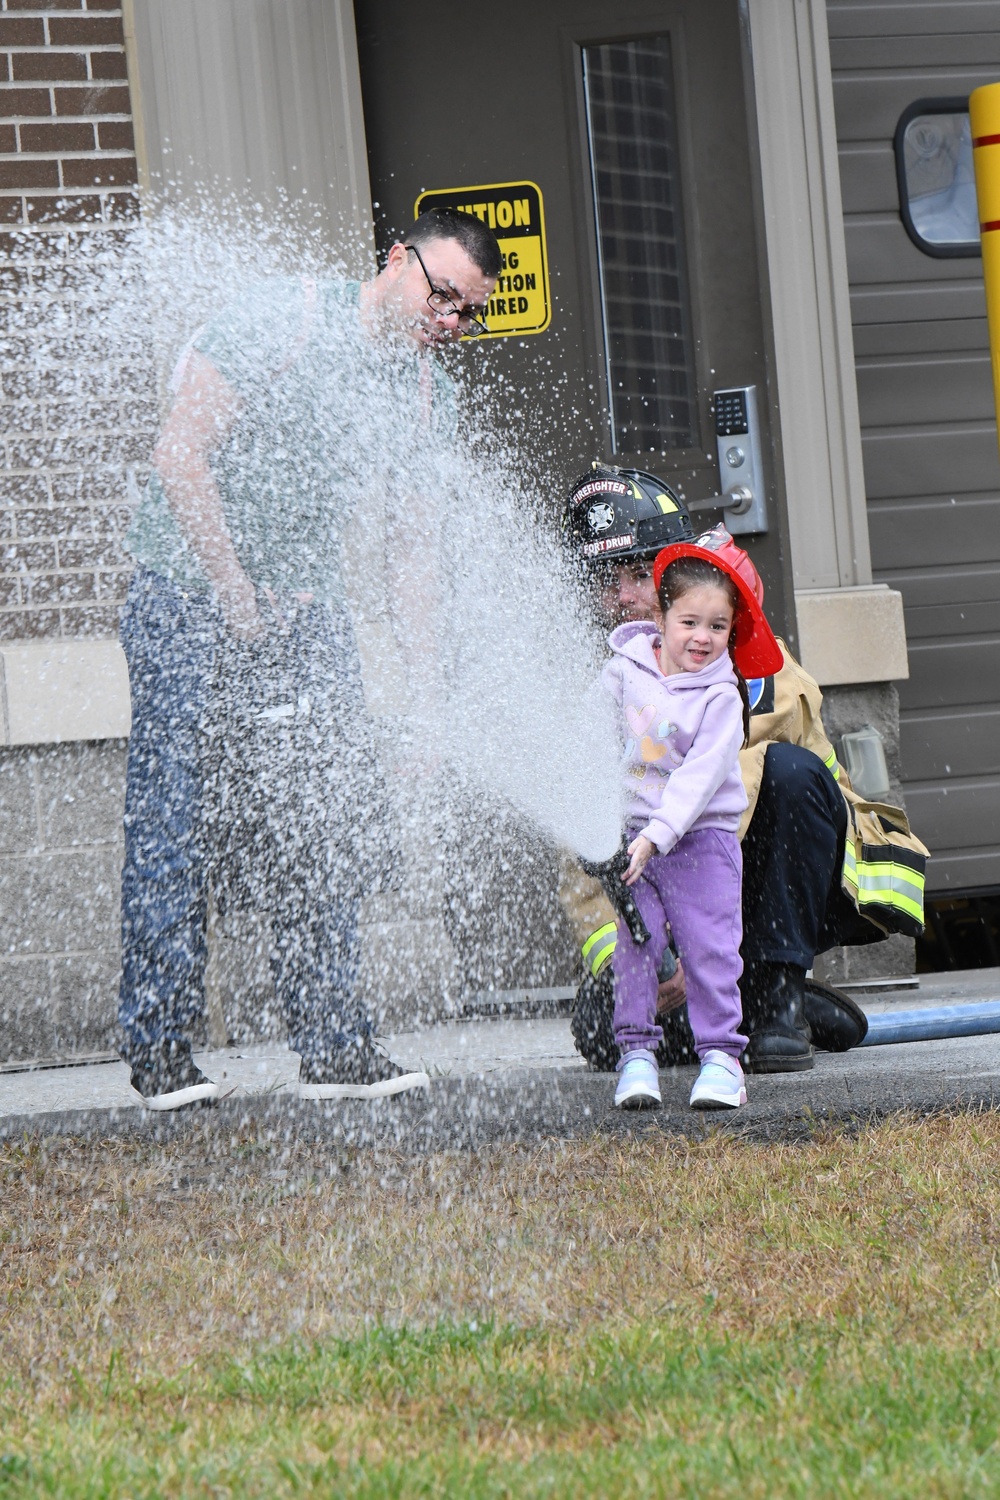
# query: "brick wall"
[72,419]
[60,858]
[76,414]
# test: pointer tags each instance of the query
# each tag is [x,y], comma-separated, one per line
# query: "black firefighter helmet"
[623,515]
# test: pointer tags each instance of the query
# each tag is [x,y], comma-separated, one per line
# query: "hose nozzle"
[609,872]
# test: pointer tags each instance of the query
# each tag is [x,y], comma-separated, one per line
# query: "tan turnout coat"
[882,855]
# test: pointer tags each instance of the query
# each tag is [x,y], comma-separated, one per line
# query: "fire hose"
[933,1023]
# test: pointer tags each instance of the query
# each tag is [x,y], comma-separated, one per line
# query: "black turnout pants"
[793,904]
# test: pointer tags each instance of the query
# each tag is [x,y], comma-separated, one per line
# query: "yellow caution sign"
[521,302]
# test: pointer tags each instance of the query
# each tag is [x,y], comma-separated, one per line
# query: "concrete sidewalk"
[516,1078]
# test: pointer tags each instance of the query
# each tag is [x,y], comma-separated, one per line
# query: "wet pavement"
[519,1078]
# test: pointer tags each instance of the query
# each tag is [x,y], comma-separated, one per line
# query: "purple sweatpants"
[696,887]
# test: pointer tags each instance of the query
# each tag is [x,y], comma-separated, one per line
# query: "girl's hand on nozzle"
[641,851]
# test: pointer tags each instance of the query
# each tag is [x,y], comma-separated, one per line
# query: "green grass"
[647,1318]
[641,1409]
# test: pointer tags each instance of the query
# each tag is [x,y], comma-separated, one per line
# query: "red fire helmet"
[755,650]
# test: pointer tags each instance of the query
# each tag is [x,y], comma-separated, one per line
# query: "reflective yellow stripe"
[832,765]
[599,947]
[894,899]
[898,876]
[885,882]
[880,866]
[603,955]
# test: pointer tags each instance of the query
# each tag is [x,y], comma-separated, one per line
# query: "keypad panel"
[731,413]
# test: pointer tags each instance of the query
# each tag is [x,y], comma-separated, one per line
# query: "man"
[805,833]
[297,412]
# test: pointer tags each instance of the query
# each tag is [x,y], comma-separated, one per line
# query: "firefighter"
[821,866]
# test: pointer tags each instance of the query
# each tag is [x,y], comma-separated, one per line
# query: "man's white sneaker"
[638,1081]
[165,1077]
[720,1083]
[360,1072]
[381,1089]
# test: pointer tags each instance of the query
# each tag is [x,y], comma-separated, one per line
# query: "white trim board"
[852,635]
[55,691]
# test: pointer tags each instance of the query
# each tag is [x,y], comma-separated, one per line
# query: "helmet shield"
[755,650]
[623,515]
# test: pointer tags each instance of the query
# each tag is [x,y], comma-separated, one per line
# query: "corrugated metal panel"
[901,53]
[950,818]
[961,869]
[865,113]
[938,337]
[930,460]
[932,471]
[917,389]
[867,178]
[954,674]
[261,96]
[962,617]
[932,740]
[874,253]
[884,302]
[908,18]
[935,535]
[965,583]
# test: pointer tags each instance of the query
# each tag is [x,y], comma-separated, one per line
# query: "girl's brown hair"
[687,573]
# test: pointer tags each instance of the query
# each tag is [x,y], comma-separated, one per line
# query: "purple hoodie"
[683,736]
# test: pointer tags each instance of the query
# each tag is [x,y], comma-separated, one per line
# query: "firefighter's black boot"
[592,1023]
[834,1021]
[774,1017]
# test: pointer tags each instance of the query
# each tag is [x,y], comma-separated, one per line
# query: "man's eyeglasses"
[469,322]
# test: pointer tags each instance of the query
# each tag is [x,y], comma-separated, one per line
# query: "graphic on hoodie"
[650,749]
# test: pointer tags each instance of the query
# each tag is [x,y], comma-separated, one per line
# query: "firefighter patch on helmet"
[598,487]
[601,516]
[608,544]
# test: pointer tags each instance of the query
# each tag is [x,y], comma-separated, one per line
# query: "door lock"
[737,439]
[739,500]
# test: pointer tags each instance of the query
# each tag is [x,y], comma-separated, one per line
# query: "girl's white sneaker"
[720,1083]
[638,1082]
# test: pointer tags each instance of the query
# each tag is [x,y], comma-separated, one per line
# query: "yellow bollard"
[984,117]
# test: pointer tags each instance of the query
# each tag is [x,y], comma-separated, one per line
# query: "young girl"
[686,717]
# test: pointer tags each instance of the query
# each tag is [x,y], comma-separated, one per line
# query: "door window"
[632,135]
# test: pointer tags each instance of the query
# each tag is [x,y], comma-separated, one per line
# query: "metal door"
[631,119]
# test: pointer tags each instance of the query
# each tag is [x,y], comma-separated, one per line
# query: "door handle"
[735,502]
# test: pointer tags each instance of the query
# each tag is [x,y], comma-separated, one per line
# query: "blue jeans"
[186,730]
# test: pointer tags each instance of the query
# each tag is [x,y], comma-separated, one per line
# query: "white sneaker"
[382,1088]
[638,1081]
[165,1077]
[720,1083]
[364,1071]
